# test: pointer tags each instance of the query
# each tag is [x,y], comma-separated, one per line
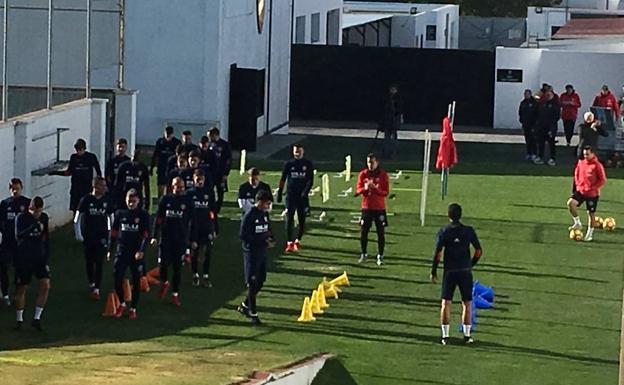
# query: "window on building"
[300,29]
[333,27]
[315,28]
[431,32]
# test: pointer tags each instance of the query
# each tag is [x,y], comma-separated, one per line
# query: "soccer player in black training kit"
[112,166]
[202,226]
[194,163]
[181,167]
[10,208]
[256,237]
[173,225]
[247,191]
[300,175]
[187,142]
[455,239]
[130,234]
[33,252]
[81,167]
[164,149]
[92,225]
[133,175]
[222,156]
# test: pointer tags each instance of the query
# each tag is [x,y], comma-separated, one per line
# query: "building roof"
[591,27]
[353,19]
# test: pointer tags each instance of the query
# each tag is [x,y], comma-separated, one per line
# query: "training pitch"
[556,318]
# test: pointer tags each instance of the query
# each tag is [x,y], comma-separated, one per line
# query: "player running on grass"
[173,225]
[255,233]
[299,172]
[92,224]
[373,185]
[33,252]
[202,226]
[455,239]
[130,233]
[589,177]
[10,208]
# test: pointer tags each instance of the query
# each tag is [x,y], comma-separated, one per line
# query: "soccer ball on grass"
[609,224]
[576,235]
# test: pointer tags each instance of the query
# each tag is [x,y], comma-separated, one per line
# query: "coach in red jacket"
[570,103]
[373,185]
[589,177]
[606,99]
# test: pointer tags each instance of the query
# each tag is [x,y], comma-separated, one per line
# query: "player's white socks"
[38,311]
[590,233]
[577,221]
[466,329]
[19,315]
[445,331]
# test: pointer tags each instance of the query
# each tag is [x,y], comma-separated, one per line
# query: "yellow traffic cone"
[306,311]
[332,291]
[320,294]
[341,280]
[316,306]
[112,303]
[127,291]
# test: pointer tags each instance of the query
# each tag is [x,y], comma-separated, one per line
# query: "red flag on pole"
[447,153]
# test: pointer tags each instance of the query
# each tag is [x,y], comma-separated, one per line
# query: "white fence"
[33,142]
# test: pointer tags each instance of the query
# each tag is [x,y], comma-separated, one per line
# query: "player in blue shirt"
[455,240]
[256,237]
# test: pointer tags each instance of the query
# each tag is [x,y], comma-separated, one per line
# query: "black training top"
[300,176]
[10,208]
[455,239]
[81,168]
[163,150]
[173,219]
[203,211]
[130,230]
[222,154]
[96,212]
[255,231]
[187,175]
[32,238]
[112,167]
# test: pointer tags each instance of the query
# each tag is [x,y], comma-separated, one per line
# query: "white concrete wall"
[404,31]
[307,8]
[34,150]
[540,24]
[442,41]
[389,7]
[586,72]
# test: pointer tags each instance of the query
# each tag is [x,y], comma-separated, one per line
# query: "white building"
[406,25]
[317,22]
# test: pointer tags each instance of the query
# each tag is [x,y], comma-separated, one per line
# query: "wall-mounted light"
[538,10]
[413,10]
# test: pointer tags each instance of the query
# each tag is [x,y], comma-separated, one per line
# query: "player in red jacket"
[373,185]
[589,177]
[606,99]
[570,103]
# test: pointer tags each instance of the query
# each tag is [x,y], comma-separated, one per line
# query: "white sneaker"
[588,237]
[380,260]
[551,162]
[576,226]
[362,258]
[7,300]
[538,160]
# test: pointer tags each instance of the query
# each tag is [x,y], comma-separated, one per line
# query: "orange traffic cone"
[127,289]
[332,291]
[153,276]
[306,311]
[112,303]
[316,306]
[320,294]
[145,284]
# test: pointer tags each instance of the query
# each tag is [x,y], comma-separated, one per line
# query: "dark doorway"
[246,105]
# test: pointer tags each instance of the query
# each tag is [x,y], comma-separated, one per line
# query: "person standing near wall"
[391,122]
[570,103]
[606,99]
[527,113]
[164,149]
[82,165]
[589,133]
[548,115]
[222,157]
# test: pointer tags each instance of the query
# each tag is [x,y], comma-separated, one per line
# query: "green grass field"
[556,318]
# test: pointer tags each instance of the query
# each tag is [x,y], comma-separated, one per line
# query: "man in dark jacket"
[589,133]
[548,114]
[392,120]
[527,113]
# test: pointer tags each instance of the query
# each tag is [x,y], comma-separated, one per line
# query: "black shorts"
[255,267]
[378,216]
[590,203]
[23,274]
[7,253]
[75,197]
[161,176]
[453,279]
[171,253]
